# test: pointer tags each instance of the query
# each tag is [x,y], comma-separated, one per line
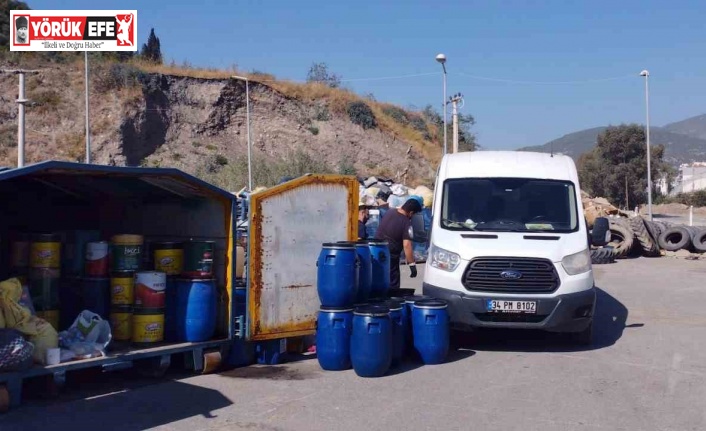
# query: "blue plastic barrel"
[196,309]
[365,271]
[430,324]
[398,329]
[333,338]
[170,310]
[337,274]
[371,341]
[380,262]
[407,312]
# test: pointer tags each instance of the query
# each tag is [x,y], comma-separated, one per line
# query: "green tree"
[617,167]
[5,25]
[152,50]
[318,72]
[466,137]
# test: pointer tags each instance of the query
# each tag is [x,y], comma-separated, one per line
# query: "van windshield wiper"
[457,224]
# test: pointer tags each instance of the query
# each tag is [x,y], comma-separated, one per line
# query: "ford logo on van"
[510,274]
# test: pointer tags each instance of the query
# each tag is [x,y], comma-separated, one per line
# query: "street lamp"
[247,104]
[646,74]
[441,58]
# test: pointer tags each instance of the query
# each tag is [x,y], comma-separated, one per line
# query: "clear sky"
[531,42]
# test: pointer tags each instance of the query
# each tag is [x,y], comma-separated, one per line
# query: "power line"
[514,81]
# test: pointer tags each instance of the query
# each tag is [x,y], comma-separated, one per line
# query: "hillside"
[681,141]
[694,127]
[195,120]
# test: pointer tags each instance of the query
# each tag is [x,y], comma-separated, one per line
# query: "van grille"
[536,275]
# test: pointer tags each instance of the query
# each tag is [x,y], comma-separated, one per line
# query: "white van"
[509,245]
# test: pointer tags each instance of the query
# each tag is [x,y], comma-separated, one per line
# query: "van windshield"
[509,205]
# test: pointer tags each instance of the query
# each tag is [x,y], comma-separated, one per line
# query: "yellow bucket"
[45,251]
[169,257]
[147,325]
[122,288]
[121,323]
[51,316]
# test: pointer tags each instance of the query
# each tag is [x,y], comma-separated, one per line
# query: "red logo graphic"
[126,32]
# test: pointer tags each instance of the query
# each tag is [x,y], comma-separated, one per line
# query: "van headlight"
[444,259]
[577,263]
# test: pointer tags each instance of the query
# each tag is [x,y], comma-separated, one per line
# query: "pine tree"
[151,50]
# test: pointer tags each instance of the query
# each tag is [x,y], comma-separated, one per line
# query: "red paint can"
[97,259]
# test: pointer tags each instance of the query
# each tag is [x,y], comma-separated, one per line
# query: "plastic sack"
[88,336]
[10,295]
[26,300]
[426,194]
[44,338]
[15,351]
[370,182]
[397,201]
[398,189]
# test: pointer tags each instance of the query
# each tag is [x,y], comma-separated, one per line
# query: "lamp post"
[21,101]
[247,109]
[88,127]
[646,74]
[441,58]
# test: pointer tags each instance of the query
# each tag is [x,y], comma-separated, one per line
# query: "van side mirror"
[599,234]
[419,234]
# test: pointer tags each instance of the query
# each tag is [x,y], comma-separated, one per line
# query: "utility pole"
[21,100]
[458,97]
[88,127]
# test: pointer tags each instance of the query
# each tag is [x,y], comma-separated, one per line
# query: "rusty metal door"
[288,224]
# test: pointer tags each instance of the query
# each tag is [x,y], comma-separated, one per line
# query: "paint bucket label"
[97,259]
[169,261]
[122,290]
[147,328]
[45,254]
[121,324]
[150,289]
[126,252]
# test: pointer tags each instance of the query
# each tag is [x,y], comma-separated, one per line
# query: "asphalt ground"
[645,371]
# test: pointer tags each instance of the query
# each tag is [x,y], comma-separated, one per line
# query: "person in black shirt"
[395,228]
[362,219]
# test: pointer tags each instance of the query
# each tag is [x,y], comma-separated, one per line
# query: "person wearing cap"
[396,229]
[21,26]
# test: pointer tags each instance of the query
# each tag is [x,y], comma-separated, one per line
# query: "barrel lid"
[412,298]
[394,304]
[431,303]
[336,245]
[377,242]
[122,274]
[160,273]
[336,309]
[127,239]
[45,237]
[97,242]
[167,244]
[373,310]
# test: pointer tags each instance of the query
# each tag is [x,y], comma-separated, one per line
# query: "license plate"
[502,306]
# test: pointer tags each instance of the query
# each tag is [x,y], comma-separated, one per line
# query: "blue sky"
[538,44]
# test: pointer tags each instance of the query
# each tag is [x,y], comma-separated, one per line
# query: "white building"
[692,177]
